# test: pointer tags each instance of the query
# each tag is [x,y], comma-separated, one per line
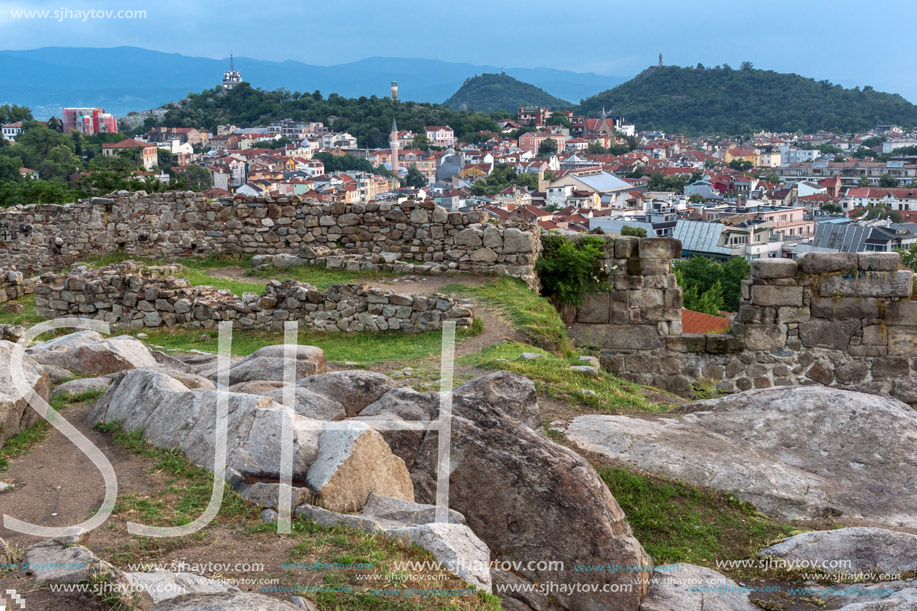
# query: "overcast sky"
[845,41]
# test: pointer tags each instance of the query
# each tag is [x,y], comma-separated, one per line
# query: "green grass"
[552,376]
[26,319]
[20,443]
[320,277]
[188,486]
[355,347]
[528,312]
[677,522]
[187,492]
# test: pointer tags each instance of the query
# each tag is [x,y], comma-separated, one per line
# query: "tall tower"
[660,60]
[393,140]
[394,91]
[233,77]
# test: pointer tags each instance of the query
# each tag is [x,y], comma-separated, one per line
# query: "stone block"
[649,267]
[890,367]
[875,335]
[845,307]
[595,309]
[853,372]
[868,284]
[722,343]
[773,268]
[878,261]
[616,337]
[827,262]
[822,371]
[647,298]
[626,247]
[828,334]
[792,314]
[902,340]
[766,295]
[687,342]
[659,248]
[764,337]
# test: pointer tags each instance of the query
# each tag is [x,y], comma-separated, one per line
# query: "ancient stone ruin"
[836,319]
[130,295]
[413,237]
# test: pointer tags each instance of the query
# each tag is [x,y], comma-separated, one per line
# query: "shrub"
[639,232]
[568,269]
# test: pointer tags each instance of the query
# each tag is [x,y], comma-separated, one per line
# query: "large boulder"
[171,416]
[683,587]
[793,452]
[268,364]
[456,546]
[15,412]
[88,353]
[162,585]
[352,464]
[226,601]
[403,404]
[305,402]
[81,385]
[353,389]
[849,550]
[530,499]
[884,596]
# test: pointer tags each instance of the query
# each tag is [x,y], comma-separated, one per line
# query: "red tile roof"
[698,322]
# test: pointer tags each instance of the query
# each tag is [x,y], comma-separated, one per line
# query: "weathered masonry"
[835,319]
[411,237]
[130,295]
[14,285]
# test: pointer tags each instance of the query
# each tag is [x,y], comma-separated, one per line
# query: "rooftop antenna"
[232,65]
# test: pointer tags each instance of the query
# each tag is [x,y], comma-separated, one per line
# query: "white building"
[440,135]
[11,130]
[790,155]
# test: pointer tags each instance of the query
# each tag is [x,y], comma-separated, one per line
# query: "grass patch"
[20,443]
[26,319]
[552,376]
[321,277]
[677,522]
[188,486]
[356,347]
[528,312]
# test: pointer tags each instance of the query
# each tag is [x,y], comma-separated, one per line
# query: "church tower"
[233,77]
[393,140]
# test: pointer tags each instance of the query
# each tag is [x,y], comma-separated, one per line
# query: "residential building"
[89,121]
[440,135]
[147,151]
[11,130]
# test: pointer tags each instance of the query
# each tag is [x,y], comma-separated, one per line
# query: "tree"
[38,141]
[696,198]
[414,178]
[864,181]
[420,141]
[163,159]
[547,147]
[9,168]
[909,257]
[595,148]
[703,273]
[559,119]
[11,113]
[197,177]
[741,165]
[59,164]
[888,181]
[639,232]
[832,209]
[709,302]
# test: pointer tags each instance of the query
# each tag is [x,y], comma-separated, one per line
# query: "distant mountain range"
[494,92]
[125,79]
[723,100]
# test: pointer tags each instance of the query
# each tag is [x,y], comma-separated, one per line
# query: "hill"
[725,101]
[495,92]
[367,118]
[126,79]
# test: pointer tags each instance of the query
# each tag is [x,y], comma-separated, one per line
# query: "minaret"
[394,91]
[393,140]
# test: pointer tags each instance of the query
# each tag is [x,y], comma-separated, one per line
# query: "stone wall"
[835,319]
[428,238]
[132,296]
[14,285]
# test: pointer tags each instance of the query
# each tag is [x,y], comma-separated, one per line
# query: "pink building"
[440,135]
[89,121]
[531,141]
[789,222]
